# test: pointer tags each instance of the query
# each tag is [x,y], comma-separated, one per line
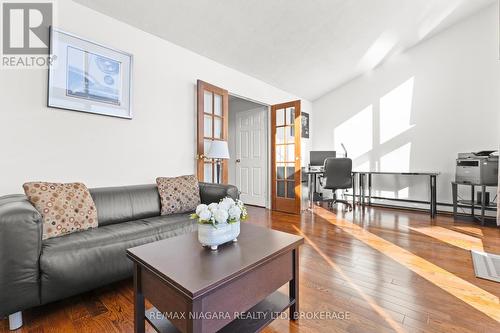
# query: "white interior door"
[251,156]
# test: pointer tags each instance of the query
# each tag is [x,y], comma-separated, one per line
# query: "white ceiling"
[305,47]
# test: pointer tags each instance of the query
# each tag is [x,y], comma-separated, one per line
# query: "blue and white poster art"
[89,77]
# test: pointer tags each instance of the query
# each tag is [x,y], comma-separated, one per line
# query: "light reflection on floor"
[397,327]
[472,231]
[476,297]
[451,237]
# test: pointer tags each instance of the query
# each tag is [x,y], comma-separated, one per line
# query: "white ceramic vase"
[208,235]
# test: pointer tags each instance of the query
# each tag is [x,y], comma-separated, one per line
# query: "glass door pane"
[290,190]
[280,172]
[207,103]
[290,171]
[280,154]
[280,135]
[289,134]
[290,116]
[208,126]
[280,189]
[208,170]
[217,128]
[218,105]
[290,152]
[280,117]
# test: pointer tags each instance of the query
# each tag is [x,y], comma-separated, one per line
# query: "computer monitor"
[317,158]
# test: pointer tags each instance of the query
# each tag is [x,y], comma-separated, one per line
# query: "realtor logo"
[25,31]
[26,27]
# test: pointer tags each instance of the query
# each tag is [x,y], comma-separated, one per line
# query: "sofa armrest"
[210,192]
[20,247]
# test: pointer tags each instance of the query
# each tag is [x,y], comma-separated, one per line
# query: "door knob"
[238,160]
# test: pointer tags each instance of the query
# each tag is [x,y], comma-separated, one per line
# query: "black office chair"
[338,176]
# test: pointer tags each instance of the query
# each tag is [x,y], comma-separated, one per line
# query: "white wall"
[420,108]
[39,143]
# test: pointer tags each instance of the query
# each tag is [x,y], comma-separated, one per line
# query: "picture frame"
[85,76]
[305,124]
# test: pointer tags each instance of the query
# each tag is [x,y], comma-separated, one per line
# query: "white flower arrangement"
[226,211]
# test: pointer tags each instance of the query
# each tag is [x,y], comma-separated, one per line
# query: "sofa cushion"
[65,208]
[125,203]
[178,194]
[82,261]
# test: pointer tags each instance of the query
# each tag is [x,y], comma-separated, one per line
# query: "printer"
[479,168]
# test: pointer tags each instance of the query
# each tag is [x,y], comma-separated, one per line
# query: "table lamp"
[218,151]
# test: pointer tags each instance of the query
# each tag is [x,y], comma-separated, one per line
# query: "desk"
[432,186]
[472,202]
[359,179]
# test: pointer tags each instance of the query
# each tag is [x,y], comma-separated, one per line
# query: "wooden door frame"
[298,161]
[201,86]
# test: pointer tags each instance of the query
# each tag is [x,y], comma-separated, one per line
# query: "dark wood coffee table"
[233,289]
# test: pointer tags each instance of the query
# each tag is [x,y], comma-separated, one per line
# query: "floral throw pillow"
[65,208]
[178,194]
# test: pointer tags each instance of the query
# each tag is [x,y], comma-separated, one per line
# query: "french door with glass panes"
[212,110]
[285,157]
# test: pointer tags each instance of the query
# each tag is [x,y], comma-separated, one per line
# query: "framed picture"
[305,124]
[88,77]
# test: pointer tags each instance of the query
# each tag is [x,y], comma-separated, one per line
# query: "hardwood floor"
[381,270]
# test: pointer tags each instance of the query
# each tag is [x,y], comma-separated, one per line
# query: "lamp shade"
[218,149]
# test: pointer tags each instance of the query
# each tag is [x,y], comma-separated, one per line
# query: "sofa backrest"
[125,203]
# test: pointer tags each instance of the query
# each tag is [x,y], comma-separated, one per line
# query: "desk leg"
[433,201]
[354,191]
[369,189]
[435,196]
[293,285]
[359,189]
[454,195]
[362,188]
[473,199]
[315,185]
[483,203]
[139,307]
[311,194]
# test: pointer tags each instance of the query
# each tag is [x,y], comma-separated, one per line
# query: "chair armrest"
[210,192]
[20,248]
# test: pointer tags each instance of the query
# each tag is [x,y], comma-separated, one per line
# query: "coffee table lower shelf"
[264,313]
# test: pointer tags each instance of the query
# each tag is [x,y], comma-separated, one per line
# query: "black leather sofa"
[35,272]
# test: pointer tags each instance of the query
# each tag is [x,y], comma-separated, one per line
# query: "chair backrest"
[338,173]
